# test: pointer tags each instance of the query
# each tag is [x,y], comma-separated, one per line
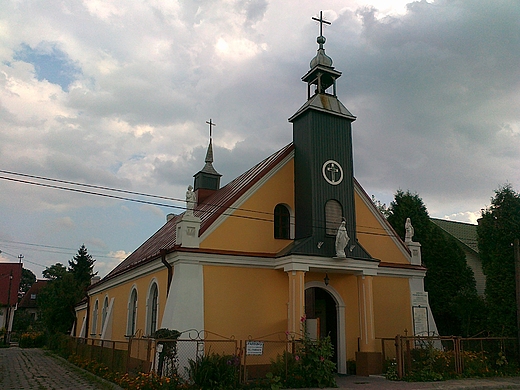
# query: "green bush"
[309,366]
[214,371]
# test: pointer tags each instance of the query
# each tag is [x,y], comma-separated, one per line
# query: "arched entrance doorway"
[320,305]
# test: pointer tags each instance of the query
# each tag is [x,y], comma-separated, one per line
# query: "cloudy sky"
[116,93]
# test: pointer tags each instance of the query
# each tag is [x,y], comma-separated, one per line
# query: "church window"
[333,216]
[282,222]
[95,317]
[132,313]
[104,313]
[153,309]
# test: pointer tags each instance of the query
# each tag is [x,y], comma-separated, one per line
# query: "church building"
[294,237]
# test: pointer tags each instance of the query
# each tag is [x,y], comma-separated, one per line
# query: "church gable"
[375,233]
[260,220]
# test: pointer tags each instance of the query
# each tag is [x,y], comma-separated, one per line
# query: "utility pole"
[516,249]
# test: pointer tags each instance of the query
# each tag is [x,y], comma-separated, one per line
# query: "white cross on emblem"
[332,172]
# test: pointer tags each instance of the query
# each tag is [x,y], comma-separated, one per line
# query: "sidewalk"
[33,369]
[380,383]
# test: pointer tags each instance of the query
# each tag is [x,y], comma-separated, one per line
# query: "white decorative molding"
[415,250]
[106,332]
[188,231]
[139,271]
[334,168]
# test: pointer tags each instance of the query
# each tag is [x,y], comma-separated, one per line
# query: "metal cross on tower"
[321,21]
[210,123]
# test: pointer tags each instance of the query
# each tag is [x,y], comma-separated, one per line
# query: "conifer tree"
[82,267]
[499,226]
[449,281]
[66,287]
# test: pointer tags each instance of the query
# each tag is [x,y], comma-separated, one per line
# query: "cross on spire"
[210,123]
[321,21]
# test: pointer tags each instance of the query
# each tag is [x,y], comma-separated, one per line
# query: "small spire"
[321,58]
[209,153]
[208,168]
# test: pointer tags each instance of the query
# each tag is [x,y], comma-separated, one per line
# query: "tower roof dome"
[321,58]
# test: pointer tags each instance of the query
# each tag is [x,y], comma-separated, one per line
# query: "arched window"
[153,309]
[94,318]
[132,313]
[104,313]
[282,222]
[333,216]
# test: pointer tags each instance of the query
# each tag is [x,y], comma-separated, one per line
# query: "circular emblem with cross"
[332,172]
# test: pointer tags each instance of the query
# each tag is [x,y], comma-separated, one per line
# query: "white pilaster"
[185,304]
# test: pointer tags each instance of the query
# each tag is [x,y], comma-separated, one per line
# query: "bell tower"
[323,163]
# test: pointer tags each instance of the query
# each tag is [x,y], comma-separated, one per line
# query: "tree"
[82,267]
[57,301]
[55,271]
[498,227]
[449,281]
[28,279]
[67,286]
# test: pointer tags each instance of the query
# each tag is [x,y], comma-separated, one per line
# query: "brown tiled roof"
[6,270]
[209,210]
[26,301]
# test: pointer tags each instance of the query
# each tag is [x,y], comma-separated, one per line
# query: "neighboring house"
[10,276]
[29,303]
[466,236]
[252,258]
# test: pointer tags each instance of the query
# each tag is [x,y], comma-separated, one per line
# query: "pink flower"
[322,358]
[296,358]
[304,317]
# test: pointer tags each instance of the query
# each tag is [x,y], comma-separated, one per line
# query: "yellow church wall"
[392,306]
[121,295]
[374,237]
[244,302]
[256,234]
[346,287]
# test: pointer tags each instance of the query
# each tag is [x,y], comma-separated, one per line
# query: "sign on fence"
[254,348]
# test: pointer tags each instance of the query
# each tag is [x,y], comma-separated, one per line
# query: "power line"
[226,213]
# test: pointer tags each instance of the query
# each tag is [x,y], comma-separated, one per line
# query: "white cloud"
[433,84]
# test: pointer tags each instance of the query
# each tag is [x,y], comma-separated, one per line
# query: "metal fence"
[450,354]
[252,358]
[113,354]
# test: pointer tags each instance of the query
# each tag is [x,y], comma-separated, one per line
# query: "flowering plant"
[309,364]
